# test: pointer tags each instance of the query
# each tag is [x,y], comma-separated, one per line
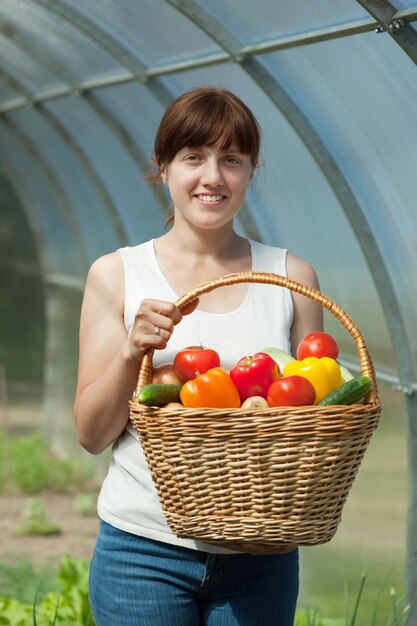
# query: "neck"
[222,242]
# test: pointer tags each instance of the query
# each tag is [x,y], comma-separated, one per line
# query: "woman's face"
[207,184]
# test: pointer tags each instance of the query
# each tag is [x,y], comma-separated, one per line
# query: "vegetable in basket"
[159,394]
[195,360]
[317,343]
[213,389]
[253,375]
[349,393]
[324,373]
[166,374]
[280,356]
[291,391]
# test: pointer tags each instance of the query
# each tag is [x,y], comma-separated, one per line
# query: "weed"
[66,604]
[19,579]
[398,615]
[36,521]
[86,503]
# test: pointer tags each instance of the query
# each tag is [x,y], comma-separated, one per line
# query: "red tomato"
[291,391]
[317,344]
[194,360]
[252,375]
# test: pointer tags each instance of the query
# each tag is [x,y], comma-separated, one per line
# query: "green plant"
[398,615]
[19,579]
[86,503]
[67,604]
[36,521]
[40,527]
[32,468]
[34,509]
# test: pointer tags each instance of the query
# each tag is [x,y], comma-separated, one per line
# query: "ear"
[163,174]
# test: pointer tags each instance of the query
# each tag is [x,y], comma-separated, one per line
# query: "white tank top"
[128,499]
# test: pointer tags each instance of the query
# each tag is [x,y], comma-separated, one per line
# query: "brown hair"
[202,117]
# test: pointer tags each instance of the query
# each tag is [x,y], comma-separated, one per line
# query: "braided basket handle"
[266,278]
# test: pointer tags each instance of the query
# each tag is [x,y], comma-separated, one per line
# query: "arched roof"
[333,85]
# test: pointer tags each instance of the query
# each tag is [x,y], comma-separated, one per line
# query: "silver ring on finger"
[157,330]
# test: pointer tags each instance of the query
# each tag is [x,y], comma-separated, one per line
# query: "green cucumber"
[159,394]
[348,393]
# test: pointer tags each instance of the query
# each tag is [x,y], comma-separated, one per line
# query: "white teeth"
[207,198]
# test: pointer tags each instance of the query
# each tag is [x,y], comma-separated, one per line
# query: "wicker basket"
[268,476]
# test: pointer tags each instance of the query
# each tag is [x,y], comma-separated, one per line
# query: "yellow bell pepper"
[324,373]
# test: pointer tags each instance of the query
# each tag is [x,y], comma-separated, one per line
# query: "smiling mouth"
[210,198]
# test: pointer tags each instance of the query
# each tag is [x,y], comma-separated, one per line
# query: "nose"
[212,173]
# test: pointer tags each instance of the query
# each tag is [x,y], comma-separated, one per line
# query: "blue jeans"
[141,582]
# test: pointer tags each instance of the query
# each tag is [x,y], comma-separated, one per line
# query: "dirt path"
[77,536]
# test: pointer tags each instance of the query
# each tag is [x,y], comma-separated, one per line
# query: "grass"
[20,579]
[328,569]
[55,598]
[397,613]
[26,465]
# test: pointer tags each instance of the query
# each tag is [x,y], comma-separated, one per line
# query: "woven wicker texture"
[270,476]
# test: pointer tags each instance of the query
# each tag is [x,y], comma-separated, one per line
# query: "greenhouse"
[333,85]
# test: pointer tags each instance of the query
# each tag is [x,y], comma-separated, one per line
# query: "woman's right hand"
[154,324]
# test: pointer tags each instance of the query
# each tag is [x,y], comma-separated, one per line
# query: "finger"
[190,307]
[157,331]
[149,308]
[162,325]
[169,310]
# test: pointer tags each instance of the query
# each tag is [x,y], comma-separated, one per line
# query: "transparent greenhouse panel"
[8,93]
[255,22]
[77,184]
[403,4]
[22,66]
[137,109]
[137,26]
[115,165]
[56,40]
[342,100]
[48,221]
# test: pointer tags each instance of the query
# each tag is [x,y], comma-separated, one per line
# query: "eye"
[192,157]
[232,160]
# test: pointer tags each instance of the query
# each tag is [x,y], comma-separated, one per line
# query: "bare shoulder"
[300,270]
[106,278]
[108,265]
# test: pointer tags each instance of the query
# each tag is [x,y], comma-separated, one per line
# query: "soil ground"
[78,532]
[77,538]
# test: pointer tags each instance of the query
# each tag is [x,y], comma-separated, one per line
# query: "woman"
[206,152]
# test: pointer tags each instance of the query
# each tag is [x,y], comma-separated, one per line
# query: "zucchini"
[159,394]
[348,393]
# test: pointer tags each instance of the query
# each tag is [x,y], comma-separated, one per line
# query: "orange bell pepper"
[324,373]
[213,389]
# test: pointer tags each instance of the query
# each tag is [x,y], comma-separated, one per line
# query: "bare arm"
[109,359]
[308,315]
